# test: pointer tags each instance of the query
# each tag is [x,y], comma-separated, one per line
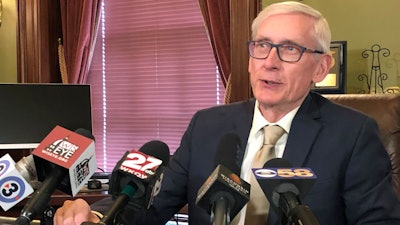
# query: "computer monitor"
[28,112]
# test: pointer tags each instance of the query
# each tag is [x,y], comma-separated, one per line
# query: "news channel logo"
[279,173]
[12,189]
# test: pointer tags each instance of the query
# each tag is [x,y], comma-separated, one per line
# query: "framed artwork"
[335,81]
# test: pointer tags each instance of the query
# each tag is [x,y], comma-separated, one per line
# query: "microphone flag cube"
[275,181]
[145,171]
[13,187]
[221,181]
[69,150]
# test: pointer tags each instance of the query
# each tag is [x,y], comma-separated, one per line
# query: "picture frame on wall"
[335,81]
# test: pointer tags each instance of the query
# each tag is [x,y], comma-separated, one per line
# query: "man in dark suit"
[289,51]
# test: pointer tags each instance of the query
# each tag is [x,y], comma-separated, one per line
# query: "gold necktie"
[258,205]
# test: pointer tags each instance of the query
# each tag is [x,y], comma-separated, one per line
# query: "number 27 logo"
[141,162]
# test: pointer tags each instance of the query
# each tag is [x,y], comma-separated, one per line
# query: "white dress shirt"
[255,141]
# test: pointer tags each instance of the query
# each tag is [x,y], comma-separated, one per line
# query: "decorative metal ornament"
[376,77]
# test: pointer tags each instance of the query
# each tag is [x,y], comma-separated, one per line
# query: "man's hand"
[74,213]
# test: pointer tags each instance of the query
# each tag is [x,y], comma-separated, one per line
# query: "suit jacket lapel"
[299,142]
[242,125]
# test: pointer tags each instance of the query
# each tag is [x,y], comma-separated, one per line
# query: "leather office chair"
[385,109]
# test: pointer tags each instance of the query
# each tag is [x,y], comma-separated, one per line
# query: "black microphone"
[224,193]
[63,160]
[285,186]
[136,179]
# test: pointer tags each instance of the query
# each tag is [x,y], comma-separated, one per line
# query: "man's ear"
[325,64]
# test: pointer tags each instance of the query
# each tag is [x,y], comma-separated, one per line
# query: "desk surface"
[57,200]
[58,197]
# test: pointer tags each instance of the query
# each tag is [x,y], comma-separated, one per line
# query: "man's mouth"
[270,82]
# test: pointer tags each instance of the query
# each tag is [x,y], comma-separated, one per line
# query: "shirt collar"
[259,121]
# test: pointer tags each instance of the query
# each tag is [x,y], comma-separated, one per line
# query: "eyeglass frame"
[303,50]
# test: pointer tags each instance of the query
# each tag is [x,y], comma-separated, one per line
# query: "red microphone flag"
[71,151]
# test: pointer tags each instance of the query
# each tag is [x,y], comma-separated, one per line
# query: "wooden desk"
[58,197]
[57,200]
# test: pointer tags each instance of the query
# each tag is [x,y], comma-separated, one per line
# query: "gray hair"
[321,26]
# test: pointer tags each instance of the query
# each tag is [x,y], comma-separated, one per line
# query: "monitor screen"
[30,111]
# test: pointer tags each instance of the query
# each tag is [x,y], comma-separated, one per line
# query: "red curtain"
[80,20]
[216,16]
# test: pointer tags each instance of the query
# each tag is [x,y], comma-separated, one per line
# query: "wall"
[8,43]
[362,24]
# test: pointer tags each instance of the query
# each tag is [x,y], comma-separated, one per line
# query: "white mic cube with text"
[13,187]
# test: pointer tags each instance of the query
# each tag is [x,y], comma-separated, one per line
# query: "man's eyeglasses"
[286,52]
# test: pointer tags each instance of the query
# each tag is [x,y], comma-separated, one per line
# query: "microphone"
[224,193]
[285,186]
[27,169]
[14,184]
[136,179]
[63,160]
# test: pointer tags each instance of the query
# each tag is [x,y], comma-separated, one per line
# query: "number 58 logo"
[284,173]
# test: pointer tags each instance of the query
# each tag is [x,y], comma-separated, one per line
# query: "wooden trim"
[38,28]
[242,14]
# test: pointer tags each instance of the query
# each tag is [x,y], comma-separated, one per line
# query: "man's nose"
[273,54]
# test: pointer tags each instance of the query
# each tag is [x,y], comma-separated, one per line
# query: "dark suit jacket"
[340,145]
